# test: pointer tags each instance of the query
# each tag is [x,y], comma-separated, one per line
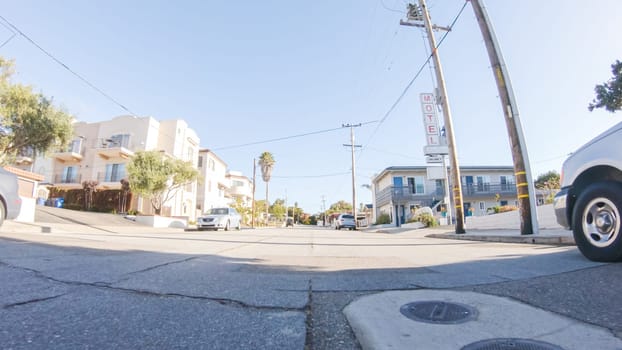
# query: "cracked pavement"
[265,288]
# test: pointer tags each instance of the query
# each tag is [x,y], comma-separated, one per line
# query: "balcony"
[469,192]
[481,190]
[73,179]
[73,153]
[111,149]
[110,178]
[404,195]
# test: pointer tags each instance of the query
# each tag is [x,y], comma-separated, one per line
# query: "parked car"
[10,202]
[345,221]
[216,218]
[590,200]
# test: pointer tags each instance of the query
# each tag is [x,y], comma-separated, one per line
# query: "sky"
[285,76]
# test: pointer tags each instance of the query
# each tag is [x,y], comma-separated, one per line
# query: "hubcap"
[601,222]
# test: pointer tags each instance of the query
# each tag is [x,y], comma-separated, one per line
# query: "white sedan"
[216,218]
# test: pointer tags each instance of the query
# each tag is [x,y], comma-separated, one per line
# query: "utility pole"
[323,211]
[352,146]
[524,184]
[253,205]
[420,13]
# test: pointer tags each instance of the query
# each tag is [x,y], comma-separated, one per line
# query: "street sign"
[435,150]
[434,159]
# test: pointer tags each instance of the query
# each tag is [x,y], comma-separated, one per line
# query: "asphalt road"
[133,287]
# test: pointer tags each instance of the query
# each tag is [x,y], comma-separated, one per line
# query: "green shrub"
[426,219]
[383,219]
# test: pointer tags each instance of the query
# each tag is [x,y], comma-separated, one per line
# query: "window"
[440,188]
[69,175]
[483,183]
[507,182]
[114,172]
[120,140]
[190,153]
[237,183]
[415,185]
[200,164]
[503,203]
[211,165]
[481,206]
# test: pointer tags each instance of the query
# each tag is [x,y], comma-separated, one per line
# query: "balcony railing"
[405,194]
[67,178]
[487,189]
[110,177]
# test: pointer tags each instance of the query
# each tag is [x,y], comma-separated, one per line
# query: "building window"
[237,183]
[209,186]
[481,206]
[69,175]
[211,165]
[120,140]
[507,182]
[200,163]
[114,172]
[503,203]
[190,154]
[415,185]
[483,184]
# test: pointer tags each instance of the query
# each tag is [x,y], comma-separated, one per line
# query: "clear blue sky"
[246,71]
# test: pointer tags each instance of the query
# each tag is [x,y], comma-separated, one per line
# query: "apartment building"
[212,190]
[101,150]
[221,187]
[399,190]
[241,188]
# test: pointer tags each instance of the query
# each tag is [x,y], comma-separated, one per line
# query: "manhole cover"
[439,312]
[511,344]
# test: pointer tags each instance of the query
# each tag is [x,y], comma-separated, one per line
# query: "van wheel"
[227,226]
[596,222]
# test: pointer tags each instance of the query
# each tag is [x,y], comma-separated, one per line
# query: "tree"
[29,123]
[340,207]
[266,161]
[158,178]
[278,209]
[548,180]
[609,94]
[89,187]
[125,190]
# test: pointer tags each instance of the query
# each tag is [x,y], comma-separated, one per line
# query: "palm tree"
[266,161]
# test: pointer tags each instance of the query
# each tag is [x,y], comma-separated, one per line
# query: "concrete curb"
[526,239]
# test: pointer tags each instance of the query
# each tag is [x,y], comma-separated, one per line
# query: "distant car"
[345,221]
[10,202]
[590,200]
[215,218]
[289,222]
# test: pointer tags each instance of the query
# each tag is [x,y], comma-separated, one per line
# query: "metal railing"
[404,194]
[67,178]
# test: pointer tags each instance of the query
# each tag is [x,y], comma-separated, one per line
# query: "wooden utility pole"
[253,205]
[352,146]
[524,184]
[454,167]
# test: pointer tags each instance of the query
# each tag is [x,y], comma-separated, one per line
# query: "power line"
[412,81]
[311,176]
[67,67]
[285,137]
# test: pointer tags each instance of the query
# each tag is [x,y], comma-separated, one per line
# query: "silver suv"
[216,218]
[10,202]
[345,220]
[590,200]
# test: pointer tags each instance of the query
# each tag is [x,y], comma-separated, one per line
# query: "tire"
[2,212]
[227,226]
[596,222]
[239,227]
